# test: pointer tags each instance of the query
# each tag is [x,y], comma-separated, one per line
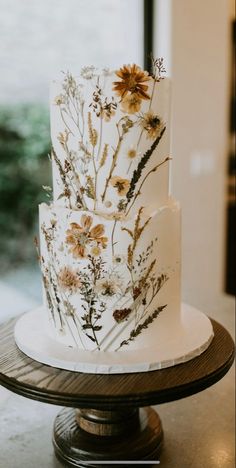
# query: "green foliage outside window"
[24,169]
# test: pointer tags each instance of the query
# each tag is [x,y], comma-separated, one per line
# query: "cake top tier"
[110,137]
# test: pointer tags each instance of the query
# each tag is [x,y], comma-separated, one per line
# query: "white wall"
[200,33]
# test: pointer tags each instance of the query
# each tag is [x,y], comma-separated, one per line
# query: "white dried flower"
[88,72]
[110,285]
[119,259]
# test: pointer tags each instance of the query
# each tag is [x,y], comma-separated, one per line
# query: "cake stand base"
[94,438]
[114,431]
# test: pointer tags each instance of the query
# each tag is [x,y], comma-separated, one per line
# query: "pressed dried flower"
[108,204]
[110,285]
[132,81]
[60,99]
[80,236]
[63,137]
[152,123]
[119,259]
[108,109]
[88,72]
[117,216]
[131,152]
[95,251]
[121,314]
[131,104]
[122,185]
[68,279]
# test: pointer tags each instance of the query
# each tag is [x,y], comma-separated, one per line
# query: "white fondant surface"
[188,340]
[164,226]
[156,190]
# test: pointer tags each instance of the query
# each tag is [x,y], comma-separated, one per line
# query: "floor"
[199,430]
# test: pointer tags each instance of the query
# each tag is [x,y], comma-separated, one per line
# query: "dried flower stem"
[142,163]
[67,305]
[134,333]
[145,178]
[65,123]
[100,138]
[76,176]
[112,237]
[155,291]
[70,114]
[113,165]
[62,175]
[95,180]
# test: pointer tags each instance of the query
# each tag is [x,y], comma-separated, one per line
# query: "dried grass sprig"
[93,134]
[135,235]
[143,280]
[168,158]
[113,165]
[141,165]
[104,155]
[138,330]
[90,188]
[67,191]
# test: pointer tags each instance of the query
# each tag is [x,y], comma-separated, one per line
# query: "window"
[38,39]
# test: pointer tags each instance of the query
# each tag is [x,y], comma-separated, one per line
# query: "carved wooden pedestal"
[118,428]
[85,438]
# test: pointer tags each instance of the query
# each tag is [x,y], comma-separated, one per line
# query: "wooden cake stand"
[106,420]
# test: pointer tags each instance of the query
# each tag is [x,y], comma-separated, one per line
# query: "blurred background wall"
[200,53]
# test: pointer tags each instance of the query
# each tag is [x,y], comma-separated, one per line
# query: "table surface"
[37,381]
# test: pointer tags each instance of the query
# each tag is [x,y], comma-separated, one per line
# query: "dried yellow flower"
[95,251]
[131,152]
[131,104]
[122,185]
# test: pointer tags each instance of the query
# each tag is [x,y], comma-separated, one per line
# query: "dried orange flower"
[122,185]
[81,236]
[132,81]
[68,279]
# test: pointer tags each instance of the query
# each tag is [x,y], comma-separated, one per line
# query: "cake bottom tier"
[110,284]
[173,346]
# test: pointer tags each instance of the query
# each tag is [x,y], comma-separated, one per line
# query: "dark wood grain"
[75,448]
[32,379]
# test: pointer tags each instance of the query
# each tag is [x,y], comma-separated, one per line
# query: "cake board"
[190,340]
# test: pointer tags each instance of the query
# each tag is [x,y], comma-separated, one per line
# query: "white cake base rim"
[192,338]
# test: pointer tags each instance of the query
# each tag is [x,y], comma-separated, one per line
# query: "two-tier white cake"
[110,239]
